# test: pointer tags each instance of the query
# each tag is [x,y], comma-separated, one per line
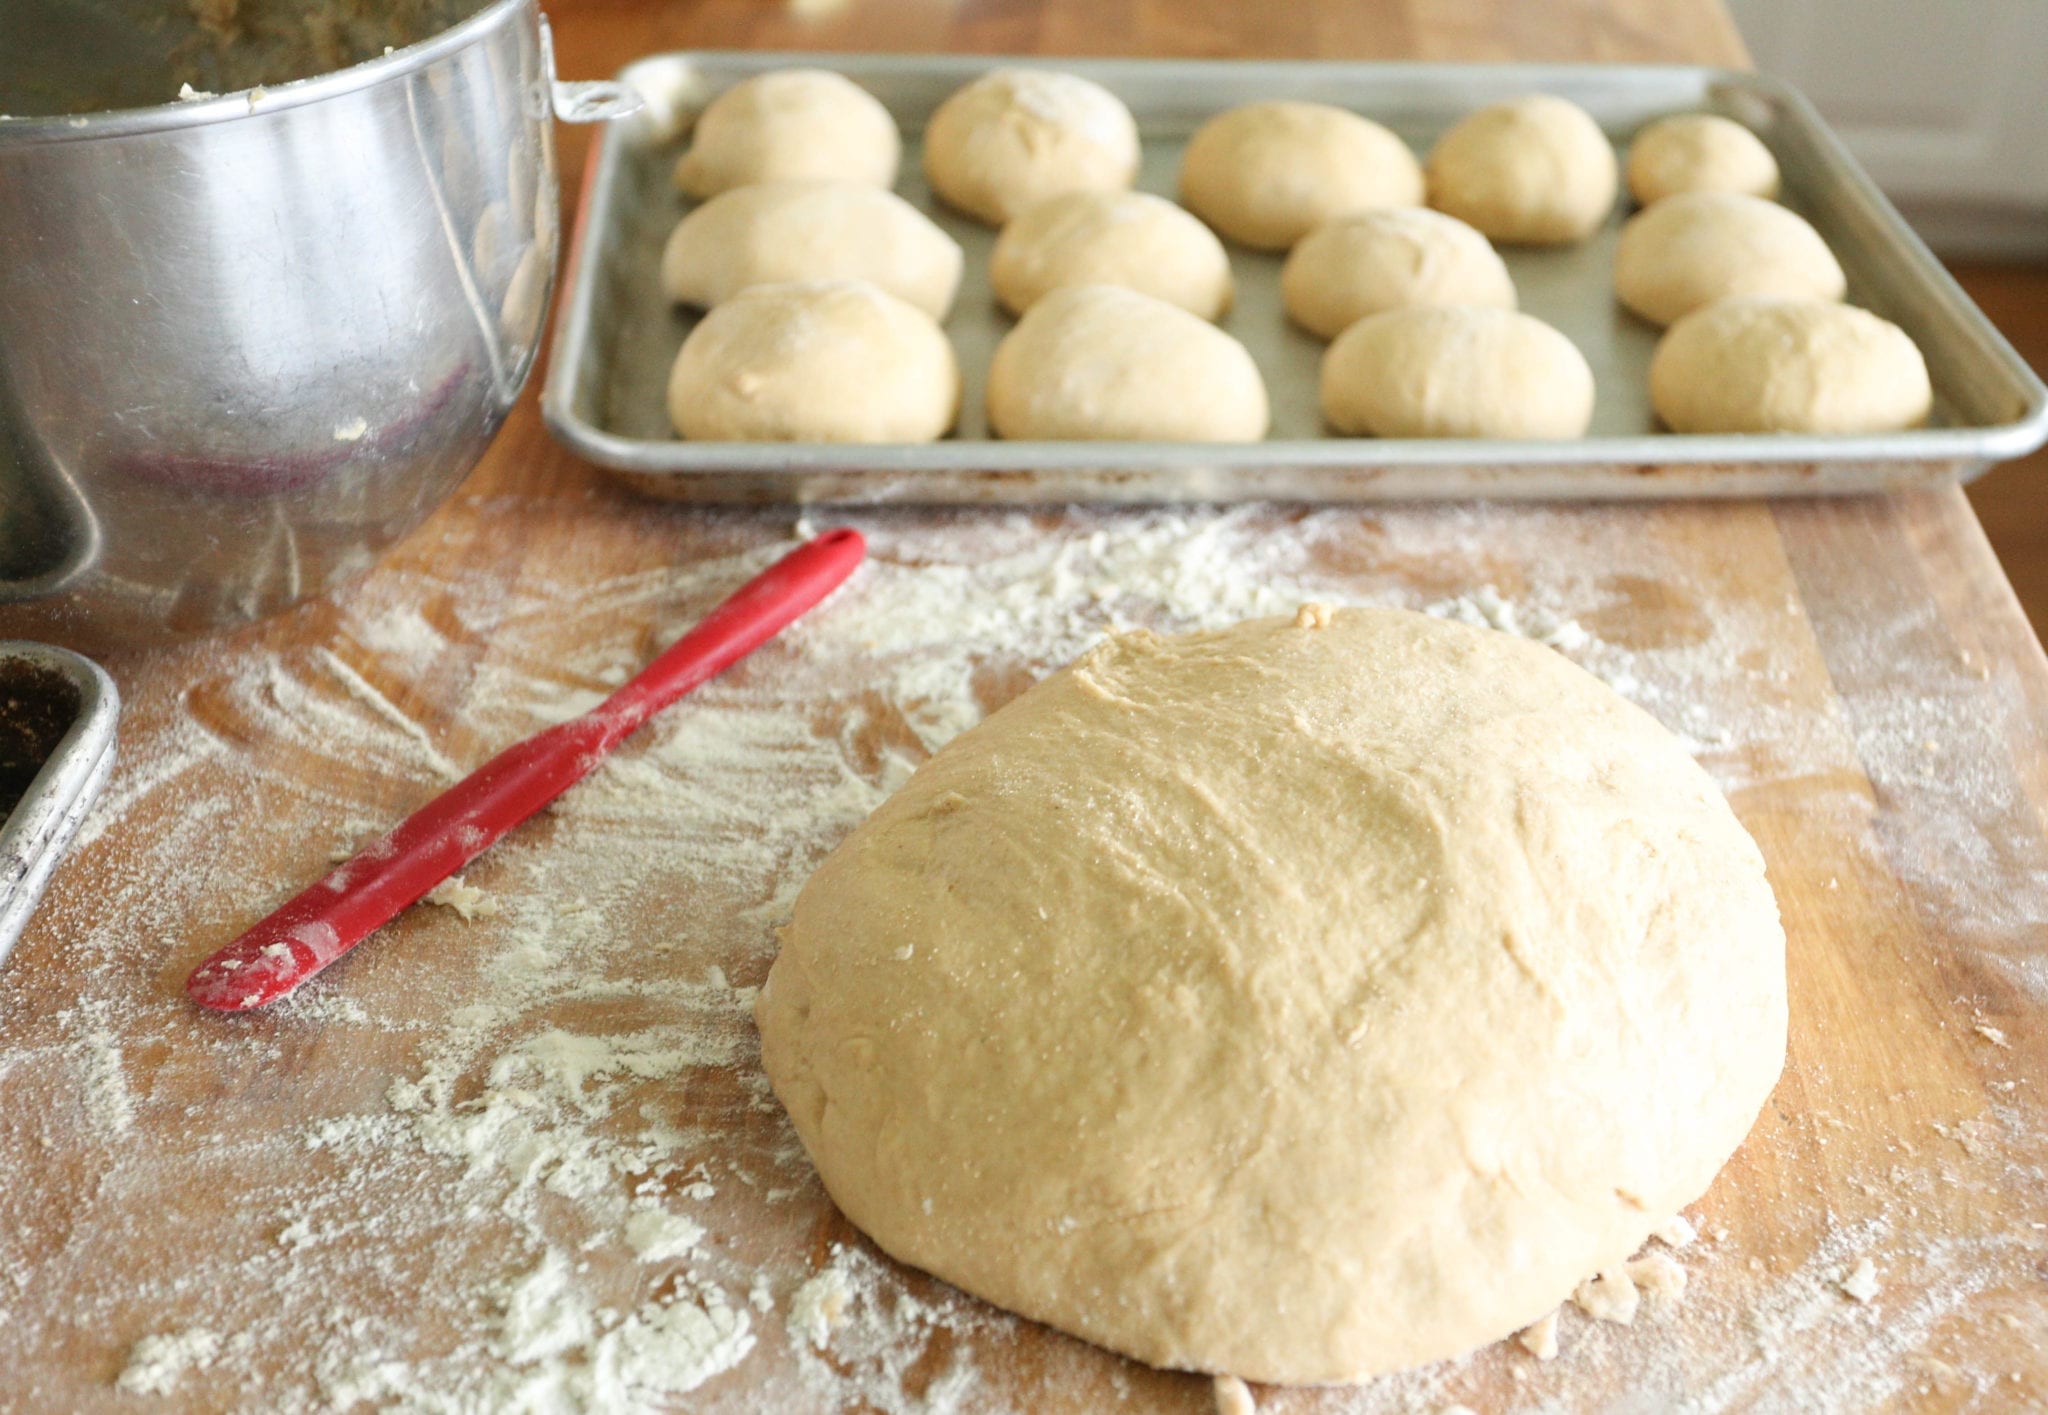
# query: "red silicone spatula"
[326,921]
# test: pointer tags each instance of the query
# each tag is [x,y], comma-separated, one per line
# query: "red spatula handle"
[327,920]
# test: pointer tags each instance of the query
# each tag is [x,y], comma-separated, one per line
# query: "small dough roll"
[1774,365]
[1098,362]
[1533,171]
[790,125]
[1459,372]
[1699,152]
[1362,264]
[1133,239]
[1266,174]
[1691,250]
[1014,137]
[776,232]
[814,361]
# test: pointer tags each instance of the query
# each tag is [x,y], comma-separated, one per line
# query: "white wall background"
[1945,101]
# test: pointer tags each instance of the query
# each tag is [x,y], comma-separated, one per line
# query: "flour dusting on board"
[157,1363]
[541,1168]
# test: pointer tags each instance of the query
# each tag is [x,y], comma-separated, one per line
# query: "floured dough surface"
[1099,362]
[1372,261]
[1529,171]
[1300,1000]
[1133,239]
[1774,365]
[1699,152]
[772,232]
[790,125]
[1456,371]
[1266,174]
[1014,137]
[1690,250]
[814,361]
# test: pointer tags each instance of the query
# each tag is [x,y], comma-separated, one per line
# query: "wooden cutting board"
[468,1164]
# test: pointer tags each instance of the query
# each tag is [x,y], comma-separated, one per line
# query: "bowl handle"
[585,100]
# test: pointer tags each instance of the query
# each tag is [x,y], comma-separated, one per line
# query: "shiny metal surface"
[34,835]
[617,335]
[248,341]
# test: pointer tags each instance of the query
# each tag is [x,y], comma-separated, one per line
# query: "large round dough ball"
[1099,362]
[775,232]
[1530,171]
[1014,137]
[1775,365]
[1693,249]
[1132,239]
[1456,372]
[1266,174]
[1362,264]
[1290,1001]
[814,361]
[1699,152]
[790,125]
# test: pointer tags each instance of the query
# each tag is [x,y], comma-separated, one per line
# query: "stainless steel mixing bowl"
[248,341]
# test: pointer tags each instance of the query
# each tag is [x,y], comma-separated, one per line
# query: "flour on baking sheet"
[540,1164]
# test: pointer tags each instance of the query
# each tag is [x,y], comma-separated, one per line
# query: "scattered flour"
[539,1167]
[656,1235]
[108,1103]
[1484,608]
[561,1354]
[156,1364]
[819,1307]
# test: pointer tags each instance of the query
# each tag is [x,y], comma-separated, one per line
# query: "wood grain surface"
[1857,673]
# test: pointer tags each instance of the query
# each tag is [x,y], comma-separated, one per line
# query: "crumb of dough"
[1539,1338]
[1861,1283]
[156,1363]
[1234,1397]
[1313,616]
[1675,1232]
[465,899]
[1992,1035]
[1658,1277]
[1608,1297]
[189,94]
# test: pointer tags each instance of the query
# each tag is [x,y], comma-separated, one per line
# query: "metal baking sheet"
[36,831]
[617,336]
